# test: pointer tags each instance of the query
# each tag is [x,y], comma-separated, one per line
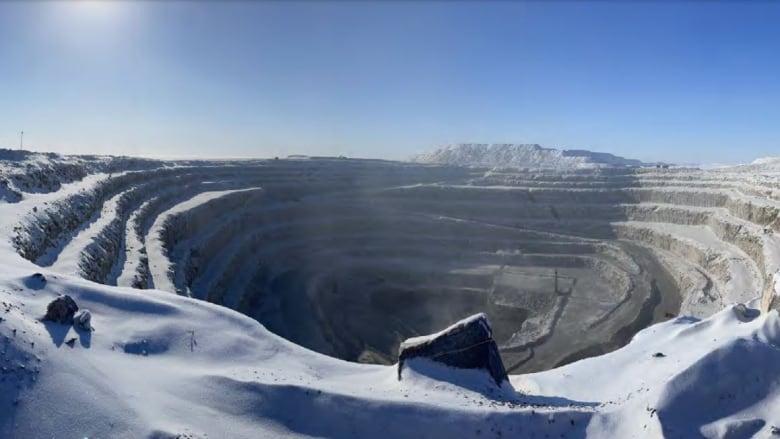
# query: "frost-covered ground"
[160,364]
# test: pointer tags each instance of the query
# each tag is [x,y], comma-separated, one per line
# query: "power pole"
[21,140]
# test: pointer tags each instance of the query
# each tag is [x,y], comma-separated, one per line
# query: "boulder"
[468,344]
[83,320]
[61,309]
[745,314]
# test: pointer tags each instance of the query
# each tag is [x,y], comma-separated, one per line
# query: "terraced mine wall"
[349,257]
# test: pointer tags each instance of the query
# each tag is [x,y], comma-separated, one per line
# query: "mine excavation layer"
[349,257]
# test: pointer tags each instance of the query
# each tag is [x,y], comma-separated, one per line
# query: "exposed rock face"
[770,299]
[468,344]
[61,309]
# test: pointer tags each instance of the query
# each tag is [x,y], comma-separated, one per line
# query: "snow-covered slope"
[530,156]
[164,365]
[760,165]
[161,365]
[683,378]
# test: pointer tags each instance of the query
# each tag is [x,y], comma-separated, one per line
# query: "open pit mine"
[350,257]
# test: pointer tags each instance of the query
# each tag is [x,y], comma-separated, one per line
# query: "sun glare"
[98,13]
[94,8]
[89,24]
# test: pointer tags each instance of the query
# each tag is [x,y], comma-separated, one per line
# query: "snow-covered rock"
[83,320]
[467,344]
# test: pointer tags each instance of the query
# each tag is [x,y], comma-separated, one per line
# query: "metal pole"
[21,140]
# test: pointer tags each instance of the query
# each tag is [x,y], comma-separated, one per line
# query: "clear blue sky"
[690,82]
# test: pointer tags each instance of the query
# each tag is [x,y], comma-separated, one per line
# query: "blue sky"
[683,82]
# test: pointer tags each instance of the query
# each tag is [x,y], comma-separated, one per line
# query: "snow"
[422,339]
[157,364]
[67,261]
[776,284]
[770,165]
[742,278]
[160,266]
[714,373]
[521,156]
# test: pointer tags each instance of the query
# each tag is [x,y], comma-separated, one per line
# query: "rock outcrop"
[770,298]
[61,309]
[468,344]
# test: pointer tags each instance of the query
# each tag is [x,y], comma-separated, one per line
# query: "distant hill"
[763,164]
[509,155]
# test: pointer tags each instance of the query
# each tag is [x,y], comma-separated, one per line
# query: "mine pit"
[351,257]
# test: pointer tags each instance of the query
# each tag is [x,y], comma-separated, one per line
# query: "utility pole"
[21,140]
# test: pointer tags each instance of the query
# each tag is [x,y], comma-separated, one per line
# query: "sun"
[87,25]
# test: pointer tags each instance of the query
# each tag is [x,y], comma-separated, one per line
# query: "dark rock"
[745,314]
[659,355]
[61,309]
[468,344]
[71,342]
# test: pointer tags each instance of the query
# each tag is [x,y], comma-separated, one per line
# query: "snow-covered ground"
[160,364]
[507,155]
